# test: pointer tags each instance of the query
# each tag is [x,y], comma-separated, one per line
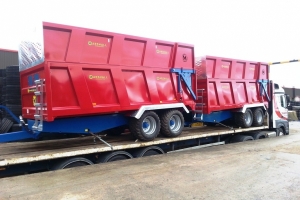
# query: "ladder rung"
[40,81]
[200,90]
[37,116]
[37,93]
[38,104]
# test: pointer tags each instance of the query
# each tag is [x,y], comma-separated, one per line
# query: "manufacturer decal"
[96,44]
[33,99]
[31,90]
[225,66]
[158,78]
[97,77]
[184,57]
[161,51]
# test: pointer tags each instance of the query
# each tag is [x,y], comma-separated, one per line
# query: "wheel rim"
[248,118]
[149,125]
[175,123]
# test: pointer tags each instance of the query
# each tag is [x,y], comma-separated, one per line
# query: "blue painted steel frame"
[11,114]
[16,136]
[79,125]
[214,116]
[82,125]
[186,76]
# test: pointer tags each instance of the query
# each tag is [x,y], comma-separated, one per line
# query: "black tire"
[5,125]
[241,138]
[114,156]
[13,101]
[1,81]
[13,68]
[13,89]
[258,117]
[148,151]
[72,162]
[13,81]
[2,72]
[13,96]
[147,127]
[172,123]
[280,132]
[258,135]
[244,120]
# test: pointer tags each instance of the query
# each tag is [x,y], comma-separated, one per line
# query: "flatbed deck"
[26,152]
[261,169]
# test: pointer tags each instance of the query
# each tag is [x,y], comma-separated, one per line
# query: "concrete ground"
[263,169]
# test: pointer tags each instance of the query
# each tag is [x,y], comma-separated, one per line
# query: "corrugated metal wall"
[8,58]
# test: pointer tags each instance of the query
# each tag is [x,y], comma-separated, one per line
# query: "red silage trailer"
[229,83]
[90,72]
[78,80]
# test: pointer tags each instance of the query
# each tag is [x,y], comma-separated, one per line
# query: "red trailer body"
[90,72]
[228,83]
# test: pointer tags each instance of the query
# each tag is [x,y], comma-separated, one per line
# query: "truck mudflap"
[141,111]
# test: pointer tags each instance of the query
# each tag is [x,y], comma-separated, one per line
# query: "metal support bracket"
[186,76]
[263,88]
[97,136]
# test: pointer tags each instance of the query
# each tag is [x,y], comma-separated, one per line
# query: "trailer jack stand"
[97,136]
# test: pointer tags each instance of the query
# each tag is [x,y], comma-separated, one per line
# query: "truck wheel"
[147,127]
[147,151]
[114,156]
[172,123]
[244,120]
[240,138]
[279,132]
[258,117]
[258,135]
[73,162]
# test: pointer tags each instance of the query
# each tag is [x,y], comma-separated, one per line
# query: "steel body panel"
[230,84]
[90,72]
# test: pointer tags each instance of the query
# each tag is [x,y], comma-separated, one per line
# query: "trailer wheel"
[148,151]
[114,156]
[244,120]
[241,138]
[147,127]
[72,162]
[172,123]
[258,117]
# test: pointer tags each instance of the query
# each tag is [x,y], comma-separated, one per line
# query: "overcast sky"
[258,30]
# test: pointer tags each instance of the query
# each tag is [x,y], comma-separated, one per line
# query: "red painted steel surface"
[229,83]
[95,72]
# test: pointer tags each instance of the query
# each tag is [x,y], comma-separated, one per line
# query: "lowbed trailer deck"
[41,153]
